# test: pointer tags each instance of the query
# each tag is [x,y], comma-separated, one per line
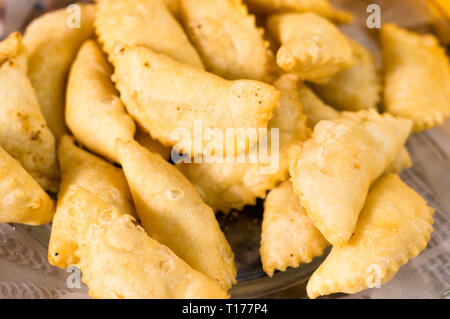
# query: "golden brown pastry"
[401,161]
[332,172]
[102,179]
[24,134]
[152,145]
[143,22]
[169,99]
[311,46]
[288,236]
[52,44]
[173,6]
[227,39]
[416,77]
[173,213]
[23,200]
[94,112]
[226,186]
[119,260]
[394,226]
[314,108]
[355,88]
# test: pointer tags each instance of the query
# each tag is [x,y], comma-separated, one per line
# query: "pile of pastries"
[93,100]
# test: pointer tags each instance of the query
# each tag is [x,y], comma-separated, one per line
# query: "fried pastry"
[355,88]
[23,200]
[24,133]
[332,172]
[143,22]
[314,108]
[94,112]
[321,7]
[119,260]
[152,145]
[169,100]
[401,161]
[52,44]
[394,226]
[416,77]
[173,6]
[226,186]
[288,236]
[311,46]
[227,39]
